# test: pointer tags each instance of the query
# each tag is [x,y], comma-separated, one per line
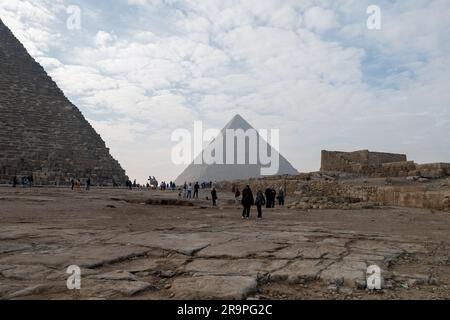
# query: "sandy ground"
[127,249]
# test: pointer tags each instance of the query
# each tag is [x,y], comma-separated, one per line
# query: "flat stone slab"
[102,288]
[242,267]
[8,247]
[82,256]
[154,265]
[214,287]
[25,272]
[240,249]
[349,273]
[300,271]
[309,250]
[187,243]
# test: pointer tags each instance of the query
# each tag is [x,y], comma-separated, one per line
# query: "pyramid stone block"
[41,132]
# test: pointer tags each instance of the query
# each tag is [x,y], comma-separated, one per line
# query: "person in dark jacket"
[259,202]
[14,181]
[247,202]
[88,184]
[268,193]
[214,197]
[273,197]
[281,197]
[196,188]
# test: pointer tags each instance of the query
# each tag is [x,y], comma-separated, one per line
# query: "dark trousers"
[281,202]
[214,202]
[268,203]
[259,211]
[196,194]
[246,212]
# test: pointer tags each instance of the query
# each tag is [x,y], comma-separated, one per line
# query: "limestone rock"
[214,287]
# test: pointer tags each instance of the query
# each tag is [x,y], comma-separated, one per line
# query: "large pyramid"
[228,172]
[41,132]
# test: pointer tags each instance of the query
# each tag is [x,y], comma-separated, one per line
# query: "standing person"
[31,180]
[273,197]
[247,202]
[185,190]
[196,188]
[237,196]
[14,181]
[214,197]
[72,183]
[268,193]
[259,202]
[281,196]
[189,191]
[88,184]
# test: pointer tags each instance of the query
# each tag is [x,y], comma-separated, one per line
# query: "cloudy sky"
[139,69]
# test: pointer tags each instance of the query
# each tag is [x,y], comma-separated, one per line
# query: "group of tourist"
[76,184]
[26,182]
[248,200]
[191,191]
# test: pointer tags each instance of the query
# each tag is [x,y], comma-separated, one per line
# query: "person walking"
[281,196]
[259,202]
[247,202]
[214,197]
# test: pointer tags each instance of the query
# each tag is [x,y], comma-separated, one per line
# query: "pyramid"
[229,172]
[41,132]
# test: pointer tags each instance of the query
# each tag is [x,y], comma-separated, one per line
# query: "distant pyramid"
[228,172]
[41,132]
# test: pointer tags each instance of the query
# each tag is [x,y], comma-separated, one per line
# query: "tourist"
[214,197]
[273,197]
[259,202]
[237,196]
[30,181]
[268,193]
[88,184]
[247,202]
[185,190]
[14,181]
[72,183]
[196,188]
[281,197]
[189,191]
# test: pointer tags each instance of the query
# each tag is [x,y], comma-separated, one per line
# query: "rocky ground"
[149,245]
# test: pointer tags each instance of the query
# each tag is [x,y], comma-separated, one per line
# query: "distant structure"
[41,132]
[229,172]
[357,161]
[380,164]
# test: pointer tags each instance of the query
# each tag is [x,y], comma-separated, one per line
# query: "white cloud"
[319,19]
[310,68]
